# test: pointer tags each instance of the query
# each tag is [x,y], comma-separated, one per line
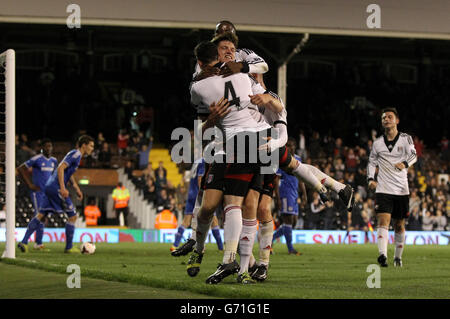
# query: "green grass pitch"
[144,270]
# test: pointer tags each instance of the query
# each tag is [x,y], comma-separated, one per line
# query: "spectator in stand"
[301,151]
[149,172]
[339,168]
[122,142]
[150,192]
[329,215]
[92,213]
[161,180]
[314,145]
[163,198]
[440,221]
[161,168]
[316,211]
[414,200]
[351,160]
[104,156]
[338,150]
[144,153]
[419,146]
[445,151]
[414,219]
[427,221]
[129,169]
[23,152]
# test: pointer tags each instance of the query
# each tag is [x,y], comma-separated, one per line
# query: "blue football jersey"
[197,170]
[43,168]
[288,184]
[72,159]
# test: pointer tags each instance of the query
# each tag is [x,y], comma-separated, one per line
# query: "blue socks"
[179,235]
[70,230]
[216,234]
[287,231]
[39,233]
[278,233]
[32,226]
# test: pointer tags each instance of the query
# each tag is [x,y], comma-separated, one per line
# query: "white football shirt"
[385,155]
[236,89]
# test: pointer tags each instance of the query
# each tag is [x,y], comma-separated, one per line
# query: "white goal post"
[8,132]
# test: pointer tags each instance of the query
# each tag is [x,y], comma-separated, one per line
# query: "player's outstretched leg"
[70,231]
[31,228]
[185,249]
[178,236]
[39,234]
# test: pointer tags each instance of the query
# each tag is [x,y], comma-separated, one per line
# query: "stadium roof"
[401,18]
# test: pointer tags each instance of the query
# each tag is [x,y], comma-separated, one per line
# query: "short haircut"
[390,109]
[84,139]
[206,52]
[291,140]
[225,22]
[227,36]
[45,141]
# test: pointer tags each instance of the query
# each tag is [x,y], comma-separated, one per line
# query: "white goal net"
[7,148]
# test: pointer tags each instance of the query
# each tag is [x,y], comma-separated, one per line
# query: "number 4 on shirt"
[229,88]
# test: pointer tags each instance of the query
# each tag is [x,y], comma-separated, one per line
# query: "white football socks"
[399,244]
[305,175]
[382,239]
[265,242]
[232,230]
[326,180]
[248,234]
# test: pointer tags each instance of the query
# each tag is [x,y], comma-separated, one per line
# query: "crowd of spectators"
[428,183]
[428,179]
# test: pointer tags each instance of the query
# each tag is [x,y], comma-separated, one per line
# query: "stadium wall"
[414,18]
[115,235]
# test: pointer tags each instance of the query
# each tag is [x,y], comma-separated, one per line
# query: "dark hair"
[291,140]
[226,22]
[227,36]
[84,139]
[119,184]
[206,52]
[389,109]
[45,141]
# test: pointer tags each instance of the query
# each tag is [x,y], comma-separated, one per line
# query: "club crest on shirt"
[210,178]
